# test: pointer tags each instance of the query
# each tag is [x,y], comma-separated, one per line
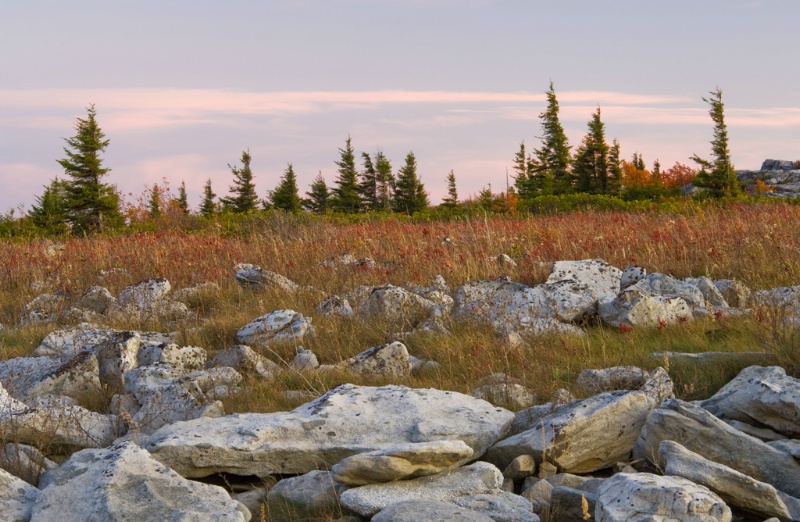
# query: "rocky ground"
[629,451]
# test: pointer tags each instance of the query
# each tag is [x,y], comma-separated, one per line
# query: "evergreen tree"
[451,200]
[346,196]
[385,180]
[409,193]
[183,199]
[285,196]
[553,157]
[638,161]
[591,159]
[718,175]
[319,197]
[243,196]
[90,204]
[486,198]
[368,185]
[614,169]
[656,173]
[522,180]
[49,212]
[207,206]
[154,203]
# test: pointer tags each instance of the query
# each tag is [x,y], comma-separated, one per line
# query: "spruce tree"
[385,180]
[656,173]
[207,206]
[318,199]
[591,159]
[285,195]
[522,180]
[154,203]
[553,158]
[451,200]
[368,185]
[409,193]
[243,196]
[49,212]
[90,204]
[345,195]
[183,199]
[614,169]
[718,175]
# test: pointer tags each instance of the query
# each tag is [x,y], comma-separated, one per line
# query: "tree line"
[83,203]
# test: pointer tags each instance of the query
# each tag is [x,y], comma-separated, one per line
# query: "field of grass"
[757,244]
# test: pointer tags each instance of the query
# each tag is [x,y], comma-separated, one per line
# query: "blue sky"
[182,87]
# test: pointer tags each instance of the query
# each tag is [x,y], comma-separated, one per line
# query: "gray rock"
[68,342]
[603,279]
[388,360]
[765,434]
[633,307]
[72,426]
[28,377]
[501,390]
[529,418]
[25,462]
[280,326]
[614,378]
[124,483]
[195,292]
[17,498]
[538,493]
[43,308]
[97,299]
[765,395]
[115,356]
[9,404]
[184,358]
[311,493]
[145,294]
[662,285]
[335,305]
[520,468]
[246,361]
[397,306]
[700,432]
[582,436]
[659,386]
[428,510]
[629,497]
[713,297]
[255,276]
[717,358]
[735,293]
[735,488]
[402,461]
[304,360]
[790,446]
[631,275]
[568,504]
[501,506]
[345,421]
[505,261]
[477,478]
[168,395]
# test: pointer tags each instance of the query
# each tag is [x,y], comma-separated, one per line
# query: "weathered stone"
[762,394]
[500,506]
[145,294]
[477,478]
[43,308]
[714,359]
[17,498]
[304,360]
[196,292]
[650,497]
[72,426]
[568,504]
[184,358]
[397,306]
[311,493]
[280,326]
[735,293]
[615,378]
[27,377]
[116,356]
[417,510]
[521,467]
[335,305]
[659,386]
[97,299]
[700,432]
[631,275]
[529,418]
[25,462]
[246,361]
[582,436]
[255,276]
[765,434]
[168,395]
[505,261]
[124,483]
[632,307]
[711,294]
[402,461]
[602,278]
[504,391]
[345,421]
[68,342]
[735,488]
[387,360]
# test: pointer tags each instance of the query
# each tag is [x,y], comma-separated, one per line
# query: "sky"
[182,87]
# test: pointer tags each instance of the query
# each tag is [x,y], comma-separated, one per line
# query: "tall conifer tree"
[591,159]
[285,196]
[243,196]
[346,197]
[318,199]
[553,157]
[409,193]
[718,175]
[208,207]
[451,200]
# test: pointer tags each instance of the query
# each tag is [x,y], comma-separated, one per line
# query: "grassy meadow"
[757,244]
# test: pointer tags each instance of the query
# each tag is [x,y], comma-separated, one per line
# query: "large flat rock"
[345,421]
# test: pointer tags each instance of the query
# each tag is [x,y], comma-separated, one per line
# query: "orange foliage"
[635,177]
[677,176]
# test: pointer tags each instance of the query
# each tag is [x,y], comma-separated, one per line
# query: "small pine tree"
[486,198]
[656,173]
[154,203]
[318,199]
[90,204]
[183,199]
[614,169]
[409,193]
[368,185]
[591,159]
[522,180]
[451,200]
[207,207]
[243,196]
[285,195]
[345,195]
[718,176]
[385,180]
[49,213]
